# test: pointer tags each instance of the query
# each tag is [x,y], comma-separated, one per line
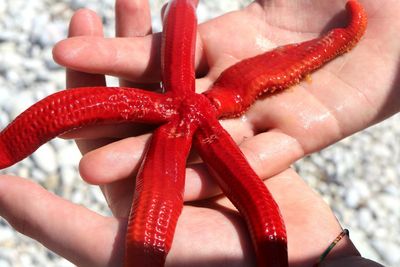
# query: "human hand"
[342,98]
[89,239]
[61,206]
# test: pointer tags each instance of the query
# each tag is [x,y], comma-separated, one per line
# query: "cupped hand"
[208,233]
[88,239]
[345,96]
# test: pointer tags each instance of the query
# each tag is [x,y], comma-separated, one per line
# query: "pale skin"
[339,101]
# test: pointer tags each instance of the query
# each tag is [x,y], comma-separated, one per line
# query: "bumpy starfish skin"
[75,108]
[238,86]
[158,198]
[246,191]
[186,117]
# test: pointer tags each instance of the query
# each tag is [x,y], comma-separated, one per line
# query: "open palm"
[209,233]
[345,96]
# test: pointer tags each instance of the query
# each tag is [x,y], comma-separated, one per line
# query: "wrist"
[341,247]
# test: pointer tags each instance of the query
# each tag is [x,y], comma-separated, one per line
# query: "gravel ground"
[359,177]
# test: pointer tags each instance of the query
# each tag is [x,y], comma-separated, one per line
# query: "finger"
[163,9]
[129,58]
[299,113]
[113,160]
[271,152]
[116,131]
[72,231]
[136,59]
[268,154]
[84,22]
[304,211]
[133,19]
[121,157]
[200,232]
[120,160]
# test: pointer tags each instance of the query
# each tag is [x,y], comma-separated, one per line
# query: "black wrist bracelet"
[345,232]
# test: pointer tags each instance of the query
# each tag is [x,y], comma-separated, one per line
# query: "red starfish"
[185,116]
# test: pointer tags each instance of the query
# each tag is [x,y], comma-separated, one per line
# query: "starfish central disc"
[196,107]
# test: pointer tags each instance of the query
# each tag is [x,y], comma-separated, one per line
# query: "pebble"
[69,155]
[4,263]
[69,177]
[353,198]
[45,158]
[24,172]
[388,250]
[4,119]
[363,245]
[359,177]
[366,220]
[39,175]
[17,106]
[5,234]
[26,259]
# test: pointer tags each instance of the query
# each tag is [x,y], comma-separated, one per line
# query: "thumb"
[72,231]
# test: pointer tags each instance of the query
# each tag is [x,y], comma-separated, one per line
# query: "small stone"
[49,61]
[20,104]
[27,163]
[392,190]
[4,119]
[69,155]
[361,241]
[376,208]
[9,59]
[52,182]
[362,188]
[13,76]
[97,194]
[382,151]
[23,172]
[32,64]
[68,175]
[365,220]
[45,158]
[5,96]
[78,196]
[9,36]
[390,202]
[26,259]
[388,250]
[5,234]
[352,198]
[4,263]
[77,4]
[63,263]
[38,175]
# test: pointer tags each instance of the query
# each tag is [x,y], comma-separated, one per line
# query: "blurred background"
[358,177]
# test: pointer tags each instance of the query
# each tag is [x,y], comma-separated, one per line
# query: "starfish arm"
[178,47]
[75,108]
[241,84]
[246,191]
[158,198]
